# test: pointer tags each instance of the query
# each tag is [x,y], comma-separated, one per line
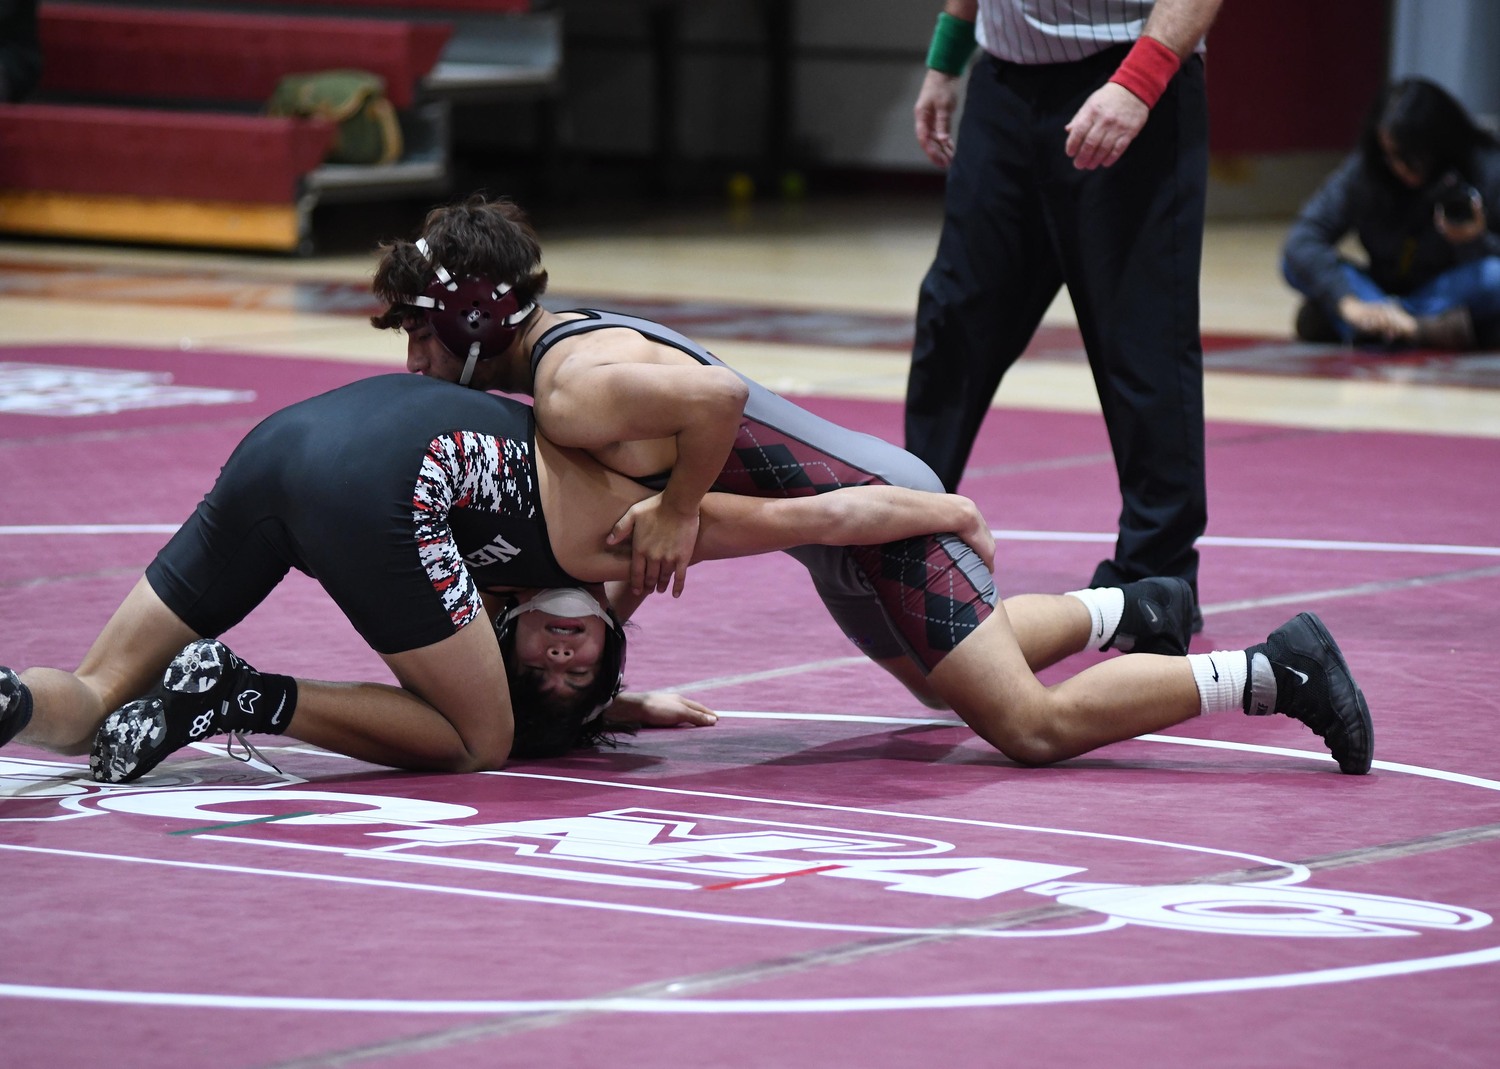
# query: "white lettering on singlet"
[498,551]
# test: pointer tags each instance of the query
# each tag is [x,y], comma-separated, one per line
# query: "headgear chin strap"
[474,317]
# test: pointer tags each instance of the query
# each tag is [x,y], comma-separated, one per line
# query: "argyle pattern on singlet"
[766,464]
[927,596]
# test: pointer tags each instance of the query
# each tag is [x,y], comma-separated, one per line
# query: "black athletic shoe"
[1453,329]
[1300,672]
[1158,618]
[15,705]
[1312,325]
[203,693]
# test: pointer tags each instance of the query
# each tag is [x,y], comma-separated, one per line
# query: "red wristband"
[1147,70]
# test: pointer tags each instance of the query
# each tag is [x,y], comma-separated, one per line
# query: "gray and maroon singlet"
[919,596]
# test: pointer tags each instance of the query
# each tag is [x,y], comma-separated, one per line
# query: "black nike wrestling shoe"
[15,705]
[207,690]
[1300,672]
[1158,617]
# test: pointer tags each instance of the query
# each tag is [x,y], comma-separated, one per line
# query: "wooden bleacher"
[498,48]
[149,124]
[209,56]
[144,174]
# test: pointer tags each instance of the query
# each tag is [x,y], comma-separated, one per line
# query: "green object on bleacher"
[368,131]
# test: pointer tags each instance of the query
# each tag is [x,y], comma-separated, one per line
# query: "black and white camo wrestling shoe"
[1300,672]
[1158,617]
[15,705]
[207,690]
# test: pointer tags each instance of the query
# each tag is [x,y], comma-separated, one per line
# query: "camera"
[1456,198]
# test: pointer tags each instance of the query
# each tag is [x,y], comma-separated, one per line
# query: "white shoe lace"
[251,755]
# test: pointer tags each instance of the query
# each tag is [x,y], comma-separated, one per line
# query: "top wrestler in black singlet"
[402,495]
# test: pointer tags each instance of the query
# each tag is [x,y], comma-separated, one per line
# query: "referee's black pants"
[1127,240]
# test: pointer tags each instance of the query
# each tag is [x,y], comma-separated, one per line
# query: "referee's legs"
[1140,237]
[992,279]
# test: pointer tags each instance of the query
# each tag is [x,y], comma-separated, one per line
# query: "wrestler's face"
[562,651]
[426,355]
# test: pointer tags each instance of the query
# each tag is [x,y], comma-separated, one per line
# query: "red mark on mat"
[768,879]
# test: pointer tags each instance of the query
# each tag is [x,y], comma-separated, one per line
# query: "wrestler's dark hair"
[550,724]
[491,239]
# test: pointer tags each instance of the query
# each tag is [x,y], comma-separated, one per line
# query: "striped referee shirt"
[1058,31]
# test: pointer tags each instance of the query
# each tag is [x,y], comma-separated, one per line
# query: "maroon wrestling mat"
[831,874]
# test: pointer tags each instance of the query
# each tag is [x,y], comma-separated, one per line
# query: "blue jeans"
[1475,284]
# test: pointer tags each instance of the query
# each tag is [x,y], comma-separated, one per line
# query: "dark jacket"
[1395,226]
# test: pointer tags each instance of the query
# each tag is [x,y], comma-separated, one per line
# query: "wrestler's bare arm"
[604,389]
[641,412]
[735,526]
[590,519]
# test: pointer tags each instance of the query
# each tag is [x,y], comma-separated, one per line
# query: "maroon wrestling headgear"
[475,317]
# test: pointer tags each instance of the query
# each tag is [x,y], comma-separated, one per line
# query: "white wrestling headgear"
[570,601]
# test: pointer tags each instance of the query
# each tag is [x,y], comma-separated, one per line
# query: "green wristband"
[952,44]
